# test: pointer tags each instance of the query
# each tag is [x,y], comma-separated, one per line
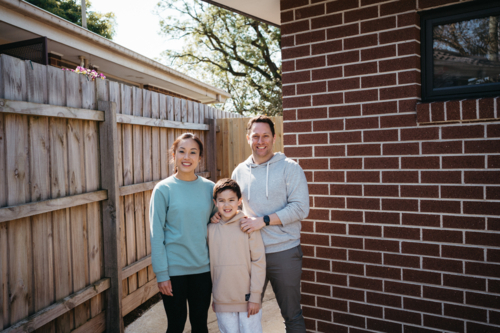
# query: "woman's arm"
[157,219]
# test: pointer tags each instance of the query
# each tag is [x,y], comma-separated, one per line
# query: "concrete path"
[155,320]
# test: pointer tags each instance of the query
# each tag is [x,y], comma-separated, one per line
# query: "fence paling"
[47,110]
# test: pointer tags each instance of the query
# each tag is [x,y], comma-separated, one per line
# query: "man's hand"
[165,288]
[253,308]
[215,218]
[251,224]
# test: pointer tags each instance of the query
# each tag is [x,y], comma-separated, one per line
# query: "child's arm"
[258,269]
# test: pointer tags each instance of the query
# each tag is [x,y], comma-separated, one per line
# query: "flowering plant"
[91,74]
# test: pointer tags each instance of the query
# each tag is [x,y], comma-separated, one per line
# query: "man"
[275,200]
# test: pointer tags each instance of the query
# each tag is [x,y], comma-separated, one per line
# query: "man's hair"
[260,119]
[227,184]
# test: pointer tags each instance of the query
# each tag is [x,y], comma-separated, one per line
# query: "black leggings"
[197,290]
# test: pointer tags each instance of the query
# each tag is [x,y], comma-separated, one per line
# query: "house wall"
[404,229]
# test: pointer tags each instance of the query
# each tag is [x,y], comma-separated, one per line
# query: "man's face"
[261,140]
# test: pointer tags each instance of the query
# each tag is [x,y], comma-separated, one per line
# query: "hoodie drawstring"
[267,181]
[249,182]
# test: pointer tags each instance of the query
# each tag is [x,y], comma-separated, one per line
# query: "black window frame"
[445,15]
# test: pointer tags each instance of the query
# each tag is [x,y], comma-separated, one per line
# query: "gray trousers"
[283,270]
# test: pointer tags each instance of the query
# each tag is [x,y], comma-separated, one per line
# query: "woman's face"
[187,156]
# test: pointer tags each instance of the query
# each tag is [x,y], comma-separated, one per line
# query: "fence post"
[110,212]
[212,149]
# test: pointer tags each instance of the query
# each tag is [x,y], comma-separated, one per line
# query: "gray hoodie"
[277,186]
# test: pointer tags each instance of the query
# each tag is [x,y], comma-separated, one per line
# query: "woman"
[180,209]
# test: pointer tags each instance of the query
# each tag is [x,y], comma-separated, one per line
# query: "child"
[237,265]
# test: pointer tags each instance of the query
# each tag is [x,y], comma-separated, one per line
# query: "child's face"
[227,203]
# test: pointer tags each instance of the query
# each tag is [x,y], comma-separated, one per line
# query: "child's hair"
[260,119]
[227,184]
[174,146]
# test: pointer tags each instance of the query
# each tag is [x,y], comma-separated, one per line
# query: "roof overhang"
[20,20]
[267,11]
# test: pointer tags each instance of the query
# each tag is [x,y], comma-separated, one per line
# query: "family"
[202,244]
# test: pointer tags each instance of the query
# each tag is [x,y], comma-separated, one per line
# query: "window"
[460,51]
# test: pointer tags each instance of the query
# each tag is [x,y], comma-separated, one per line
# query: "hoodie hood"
[250,164]
[235,218]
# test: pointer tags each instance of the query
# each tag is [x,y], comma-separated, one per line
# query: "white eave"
[68,38]
[267,11]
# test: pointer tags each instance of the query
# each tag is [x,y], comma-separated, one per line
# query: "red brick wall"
[404,229]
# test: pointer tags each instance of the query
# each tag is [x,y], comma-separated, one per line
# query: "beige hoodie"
[237,265]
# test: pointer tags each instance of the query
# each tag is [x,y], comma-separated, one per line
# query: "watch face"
[266,219]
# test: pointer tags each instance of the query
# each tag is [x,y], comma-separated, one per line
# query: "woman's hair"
[227,184]
[175,145]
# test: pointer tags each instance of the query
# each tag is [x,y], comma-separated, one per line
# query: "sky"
[137,27]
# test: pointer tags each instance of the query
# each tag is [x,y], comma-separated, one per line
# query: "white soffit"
[263,10]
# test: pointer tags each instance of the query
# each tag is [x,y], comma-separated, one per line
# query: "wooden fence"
[232,146]
[78,162]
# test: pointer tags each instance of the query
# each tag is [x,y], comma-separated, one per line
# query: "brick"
[411,148]
[464,282]
[347,319]
[338,189]
[463,162]
[336,279]
[409,77]
[317,138]
[378,81]
[286,16]
[327,327]
[365,310]
[433,3]
[423,113]
[345,111]
[309,11]
[481,208]
[317,264]
[401,260]
[329,151]
[347,293]
[303,126]
[298,152]
[420,191]
[400,205]
[404,316]
[339,6]
[315,239]
[494,286]
[448,295]
[290,139]
[296,77]
[382,217]
[408,105]
[326,99]
[327,73]
[289,115]
[476,327]
[312,113]
[360,14]
[459,252]
[411,62]
[482,146]
[486,108]
[382,245]
[482,177]
[444,323]
[326,47]
[288,66]
[289,4]
[446,147]
[361,41]
[453,110]
[328,176]
[435,264]
[464,222]
[401,92]
[363,150]
[360,69]
[362,176]
[493,193]
[441,177]
[291,28]
[345,137]
[489,301]
[364,230]
[481,269]
[408,48]
[482,238]
[383,299]
[421,162]
[343,84]
[403,233]
[326,21]
[408,19]
[295,52]
[361,123]
[365,256]
[288,91]
[400,177]
[462,132]
[329,202]
[494,319]
[331,253]
[311,62]
[292,102]
[493,224]
[446,236]
[348,216]
[310,37]
[343,58]
[317,313]
[308,164]
[378,24]
[383,326]
[333,304]
[309,88]
[424,220]
[420,134]
[342,31]
[397,7]
[328,125]
[366,96]
[317,189]
[493,130]
[439,206]
[307,300]
[382,163]
[420,248]
[469,109]
[437,111]
[346,163]
[287,42]
[364,283]
[379,136]
[318,214]
[379,108]
[422,306]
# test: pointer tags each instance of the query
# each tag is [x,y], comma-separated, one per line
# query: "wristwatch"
[267,219]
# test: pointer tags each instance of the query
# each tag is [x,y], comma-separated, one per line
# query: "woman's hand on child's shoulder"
[215,218]
[253,308]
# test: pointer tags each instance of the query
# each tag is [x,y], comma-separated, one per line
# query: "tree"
[235,53]
[101,24]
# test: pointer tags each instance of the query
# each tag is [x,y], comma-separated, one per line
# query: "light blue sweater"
[178,213]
